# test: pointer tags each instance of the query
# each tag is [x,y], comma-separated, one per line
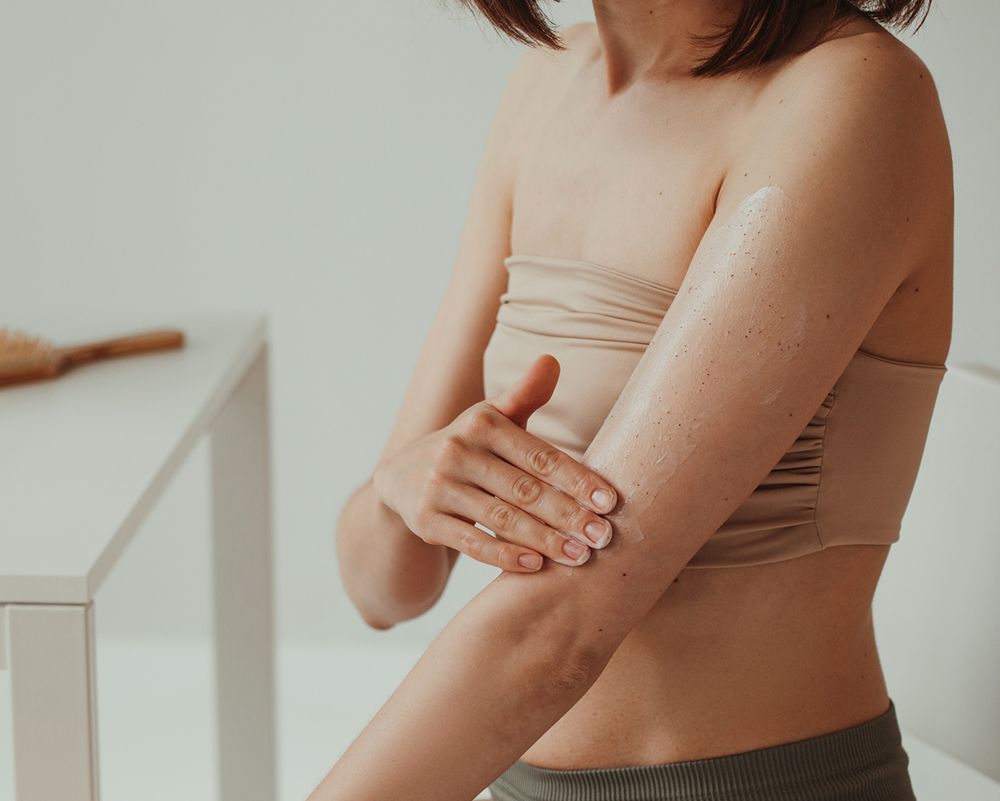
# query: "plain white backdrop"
[314,160]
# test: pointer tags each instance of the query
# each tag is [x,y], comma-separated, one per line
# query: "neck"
[644,37]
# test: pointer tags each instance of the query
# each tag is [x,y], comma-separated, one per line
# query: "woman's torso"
[731,658]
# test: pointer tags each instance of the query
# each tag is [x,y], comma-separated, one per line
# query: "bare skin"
[799,632]
[609,153]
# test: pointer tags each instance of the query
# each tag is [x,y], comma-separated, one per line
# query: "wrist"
[379,486]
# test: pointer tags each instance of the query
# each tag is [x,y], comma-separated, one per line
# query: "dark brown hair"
[762,30]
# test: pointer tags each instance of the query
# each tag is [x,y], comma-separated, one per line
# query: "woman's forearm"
[499,675]
[389,573]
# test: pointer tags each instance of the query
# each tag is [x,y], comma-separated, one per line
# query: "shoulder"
[868,73]
[855,116]
[537,79]
[868,88]
[580,34]
[539,69]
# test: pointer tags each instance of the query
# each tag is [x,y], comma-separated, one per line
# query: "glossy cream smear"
[650,432]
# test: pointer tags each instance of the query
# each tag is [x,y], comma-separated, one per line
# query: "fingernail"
[532,561]
[598,533]
[602,498]
[573,549]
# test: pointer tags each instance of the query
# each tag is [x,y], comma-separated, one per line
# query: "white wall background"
[314,159]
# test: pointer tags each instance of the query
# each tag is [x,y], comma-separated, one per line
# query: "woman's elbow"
[398,601]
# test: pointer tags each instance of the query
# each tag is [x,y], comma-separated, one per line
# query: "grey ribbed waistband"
[861,763]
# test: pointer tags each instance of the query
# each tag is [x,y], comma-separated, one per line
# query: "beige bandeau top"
[848,477]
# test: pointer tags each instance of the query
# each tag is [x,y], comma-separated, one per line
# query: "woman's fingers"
[535,498]
[540,459]
[479,545]
[552,507]
[513,524]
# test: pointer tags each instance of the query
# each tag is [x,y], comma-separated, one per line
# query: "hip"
[864,762]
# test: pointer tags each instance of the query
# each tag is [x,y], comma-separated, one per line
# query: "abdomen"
[733,659]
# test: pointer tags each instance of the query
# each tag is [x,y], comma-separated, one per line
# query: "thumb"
[531,391]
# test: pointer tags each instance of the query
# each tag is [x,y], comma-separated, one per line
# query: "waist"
[863,761]
[733,659]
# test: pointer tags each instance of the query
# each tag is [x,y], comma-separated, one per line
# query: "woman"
[738,252]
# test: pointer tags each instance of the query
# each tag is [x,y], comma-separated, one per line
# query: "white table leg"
[244,636]
[50,659]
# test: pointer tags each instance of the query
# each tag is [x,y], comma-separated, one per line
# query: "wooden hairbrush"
[26,358]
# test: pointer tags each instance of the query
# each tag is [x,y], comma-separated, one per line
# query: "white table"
[83,459]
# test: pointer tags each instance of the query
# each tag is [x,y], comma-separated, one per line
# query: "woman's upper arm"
[823,219]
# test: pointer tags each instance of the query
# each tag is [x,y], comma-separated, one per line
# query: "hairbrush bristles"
[20,351]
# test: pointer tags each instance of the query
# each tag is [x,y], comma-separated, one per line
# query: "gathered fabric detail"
[862,447]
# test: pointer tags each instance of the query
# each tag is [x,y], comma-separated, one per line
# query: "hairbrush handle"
[142,342]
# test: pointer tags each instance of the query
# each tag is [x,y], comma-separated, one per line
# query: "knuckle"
[527,489]
[580,485]
[504,555]
[552,543]
[502,516]
[422,516]
[451,449]
[479,421]
[470,542]
[573,517]
[544,459]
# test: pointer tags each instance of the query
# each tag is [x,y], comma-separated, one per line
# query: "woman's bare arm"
[855,178]
[390,574]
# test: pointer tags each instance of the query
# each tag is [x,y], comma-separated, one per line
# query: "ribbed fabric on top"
[847,478]
[866,762]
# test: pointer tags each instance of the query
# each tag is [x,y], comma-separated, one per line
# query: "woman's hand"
[484,467]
